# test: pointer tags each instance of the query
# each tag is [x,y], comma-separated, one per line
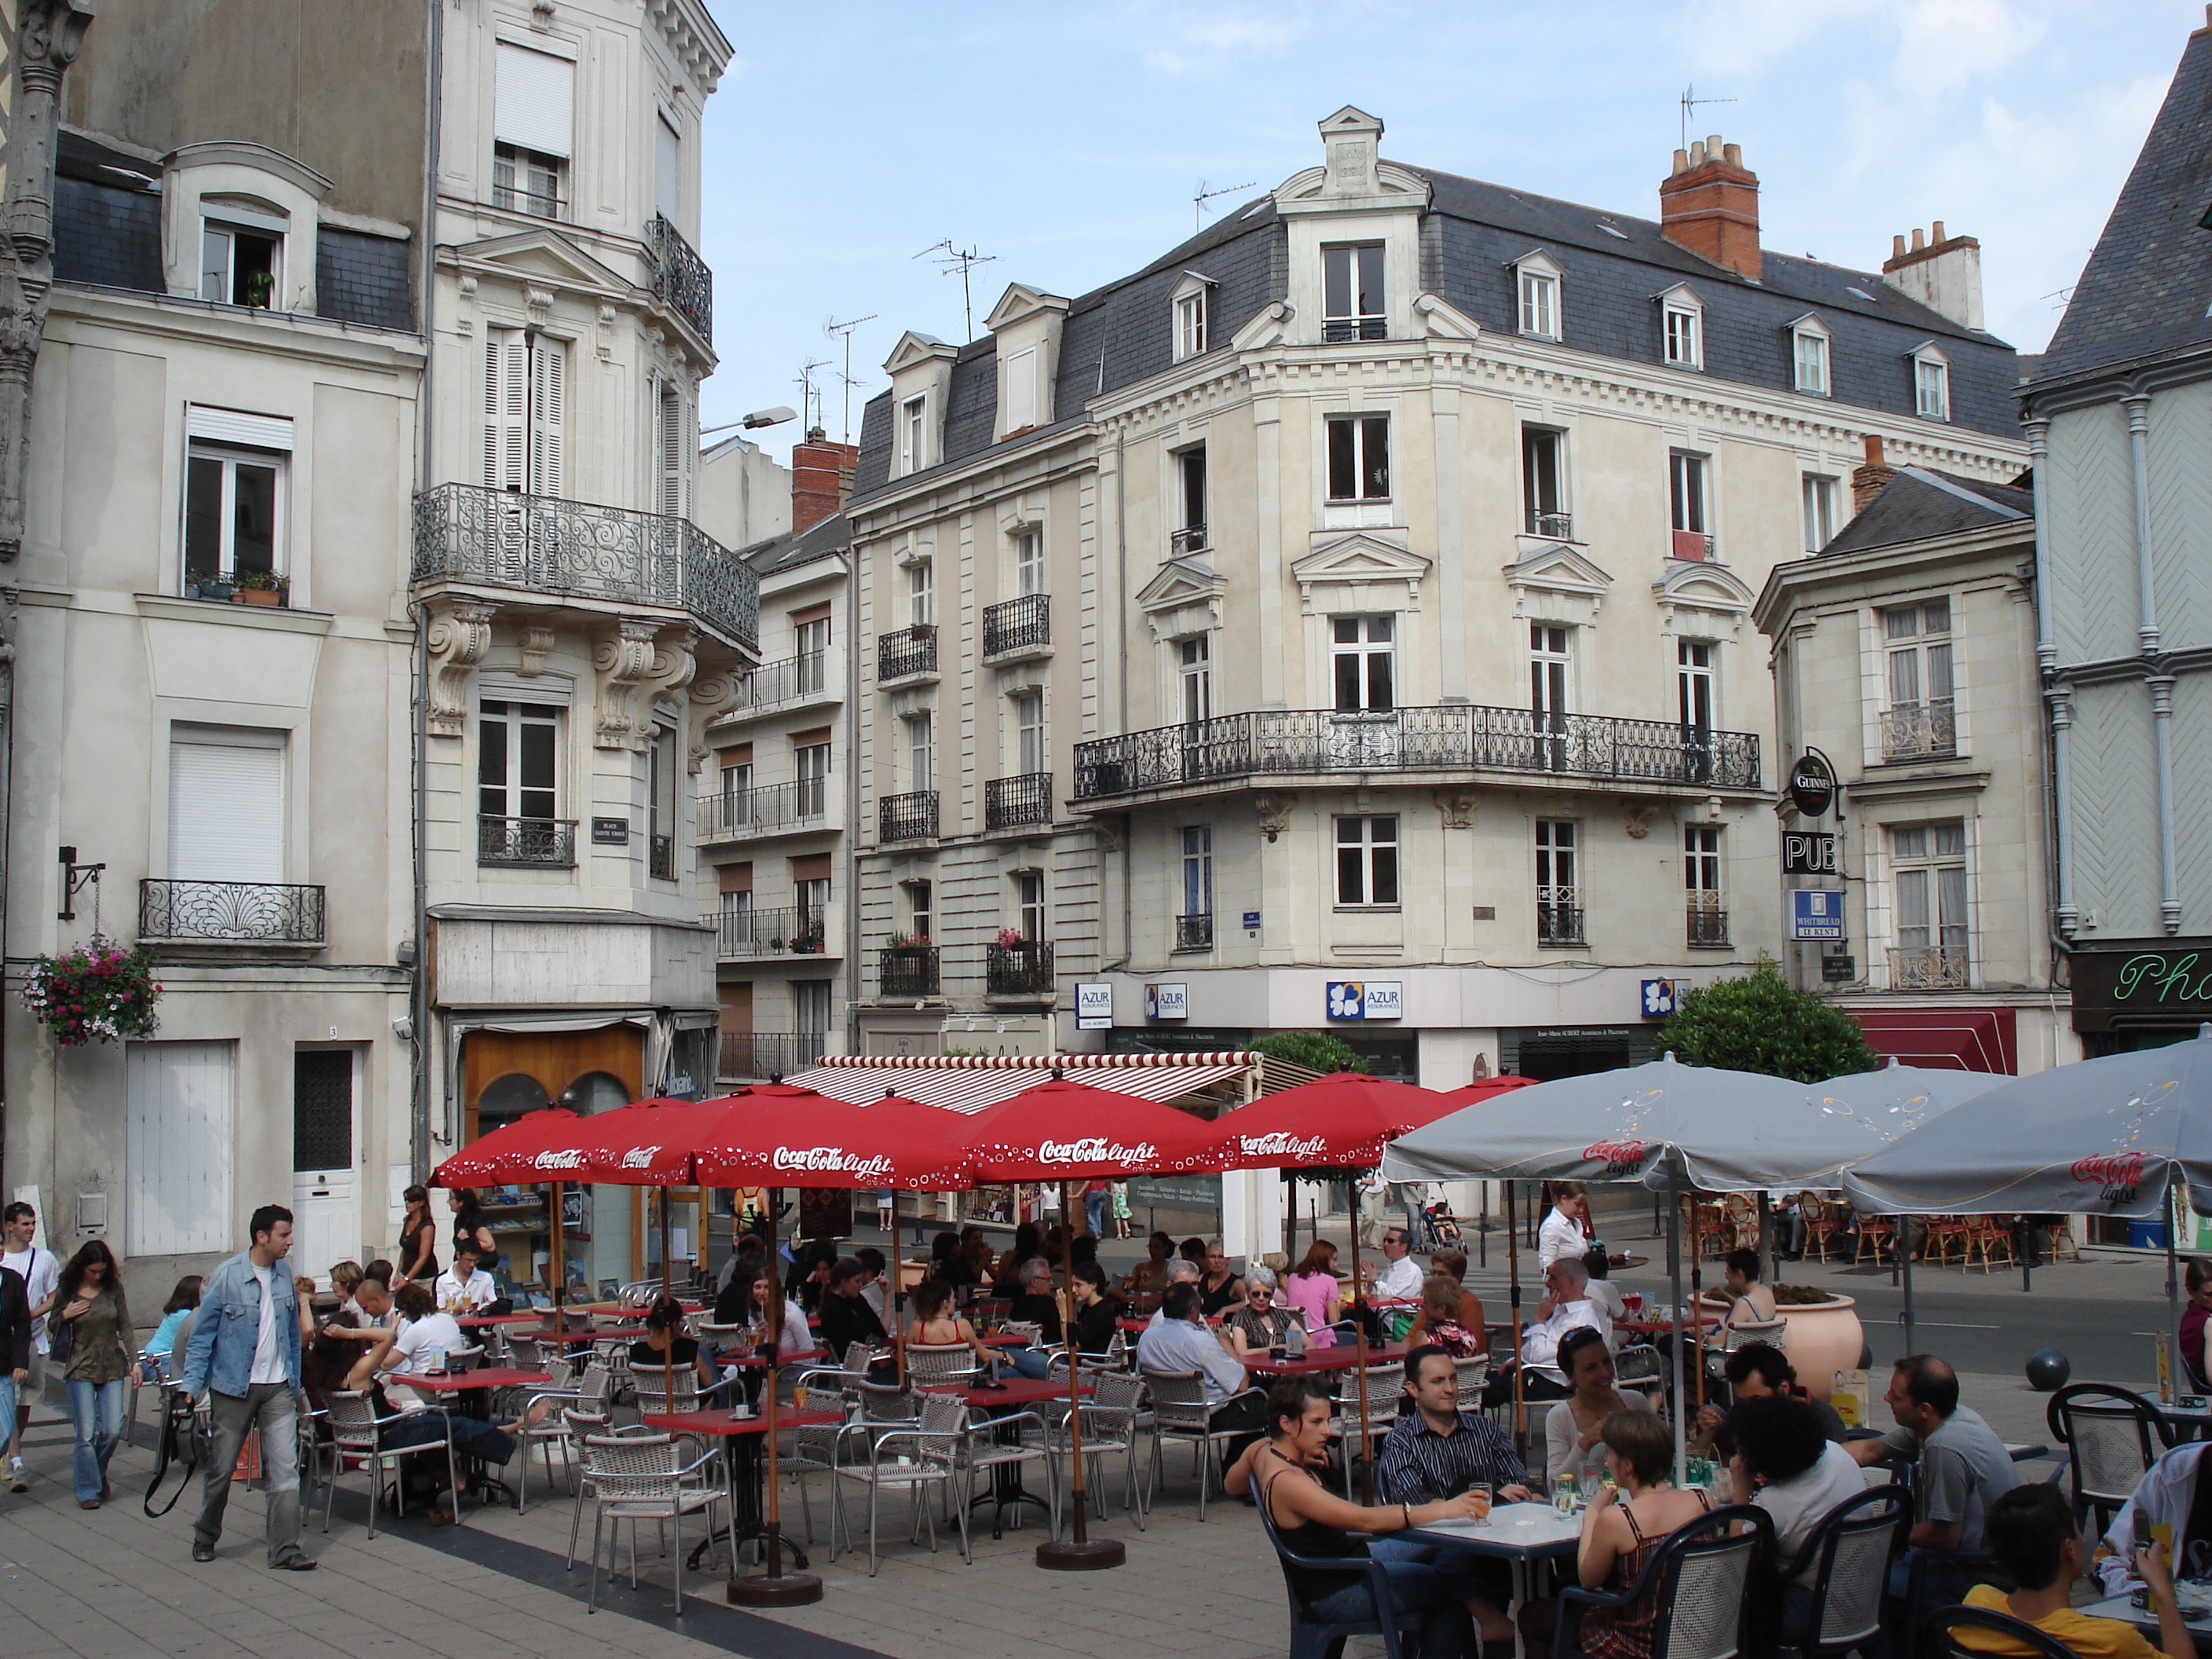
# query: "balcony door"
[1551,691]
[525,421]
[226,805]
[1362,662]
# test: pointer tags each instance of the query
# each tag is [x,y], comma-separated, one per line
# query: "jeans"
[1415,1586]
[1034,1363]
[1464,1573]
[472,1435]
[272,1408]
[1094,1210]
[7,1405]
[97,1408]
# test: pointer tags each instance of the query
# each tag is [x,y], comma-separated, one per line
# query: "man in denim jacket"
[244,1362]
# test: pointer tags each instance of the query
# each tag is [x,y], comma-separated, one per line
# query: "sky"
[1067,141]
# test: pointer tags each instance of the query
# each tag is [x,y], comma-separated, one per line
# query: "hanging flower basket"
[96,990]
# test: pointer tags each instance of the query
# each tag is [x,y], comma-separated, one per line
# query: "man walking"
[243,1365]
[39,1271]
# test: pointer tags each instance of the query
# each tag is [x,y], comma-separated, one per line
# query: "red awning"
[1965,1039]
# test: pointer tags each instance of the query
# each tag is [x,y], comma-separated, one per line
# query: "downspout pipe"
[2161,684]
[852,840]
[2057,695]
[419,1047]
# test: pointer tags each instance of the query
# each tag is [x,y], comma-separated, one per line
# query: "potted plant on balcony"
[261,587]
[218,588]
[96,990]
[809,939]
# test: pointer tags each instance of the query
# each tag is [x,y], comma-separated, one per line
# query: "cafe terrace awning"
[969,1083]
[1969,1039]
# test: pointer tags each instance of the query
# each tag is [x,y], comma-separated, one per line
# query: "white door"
[325,1185]
[179,1102]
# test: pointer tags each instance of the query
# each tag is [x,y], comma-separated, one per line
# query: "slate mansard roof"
[1921,502]
[2146,290]
[1615,268]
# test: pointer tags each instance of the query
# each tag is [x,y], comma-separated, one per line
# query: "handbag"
[187,1438]
[61,1340]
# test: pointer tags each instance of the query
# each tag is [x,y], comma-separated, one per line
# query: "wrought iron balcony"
[542,545]
[1019,970]
[1334,329]
[1558,915]
[1195,932]
[766,811]
[1707,926]
[681,279]
[1191,538]
[661,858]
[1928,968]
[906,651]
[527,843]
[1916,731]
[1017,625]
[755,1057]
[1559,526]
[807,675]
[231,912]
[907,817]
[907,970]
[1691,544]
[786,930]
[1009,802]
[1451,738]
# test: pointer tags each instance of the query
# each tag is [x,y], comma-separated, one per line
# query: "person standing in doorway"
[40,1271]
[243,1363]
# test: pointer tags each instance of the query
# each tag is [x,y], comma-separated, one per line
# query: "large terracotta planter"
[1823,1339]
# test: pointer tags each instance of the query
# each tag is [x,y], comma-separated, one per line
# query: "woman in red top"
[2195,1359]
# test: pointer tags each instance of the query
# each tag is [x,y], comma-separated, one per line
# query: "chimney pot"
[1697,154]
[1896,247]
[1733,155]
[1917,244]
[1709,204]
[1937,236]
[1713,145]
[1874,449]
[1868,479]
[820,479]
[1681,161]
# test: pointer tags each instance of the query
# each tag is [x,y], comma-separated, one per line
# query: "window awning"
[1967,1039]
[969,1083]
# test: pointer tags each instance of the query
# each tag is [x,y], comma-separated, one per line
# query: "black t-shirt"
[1094,1326]
[846,1320]
[1041,1311]
[1211,1303]
[682,1354]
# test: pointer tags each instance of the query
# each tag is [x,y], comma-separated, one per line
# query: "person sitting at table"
[1040,1304]
[874,1290]
[1750,1303]
[975,1252]
[1312,1521]
[1620,1528]
[810,1283]
[419,1343]
[1437,1321]
[934,1323]
[1786,1466]
[380,1271]
[1564,1231]
[2032,1535]
[175,1311]
[1602,1290]
[663,1347]
[1574,1431]
[2175,1492]
[1097,1310]
[1401,1277]
[1193,1250]
[1029,1243]
[464,1288]
[1451,1261]
[345,1279]
[1083,1247]
[1963,1468]
[846,1314]
[1181,1271]
[1566,1307]
[2196,1326]
[1150,1276]
[1755,1371]
[1257,1325]
[1220,1289]
[734,1304]
[1180,1342]
[946,1265]
[794,1336]
[1438,1451]
[1313,1290]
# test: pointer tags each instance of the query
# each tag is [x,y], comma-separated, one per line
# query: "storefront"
[1544,1052]
[2140,994]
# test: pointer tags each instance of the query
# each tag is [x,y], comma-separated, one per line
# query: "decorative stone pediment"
[1359,571]
[1443,320]
[1353,174]
[913,349]
[1699,597]
[1184,597]
[1020,302]
[541,257]
[1558,584]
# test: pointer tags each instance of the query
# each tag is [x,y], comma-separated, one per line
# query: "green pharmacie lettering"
[2162,979]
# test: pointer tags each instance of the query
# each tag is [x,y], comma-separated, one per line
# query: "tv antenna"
[963,260]
[810,399]
[1691,104]
[844,330]
[1203,196]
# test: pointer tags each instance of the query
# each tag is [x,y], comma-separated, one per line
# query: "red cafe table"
[741,1448]
[1005,1404]
[460,1385]
[1342,1357]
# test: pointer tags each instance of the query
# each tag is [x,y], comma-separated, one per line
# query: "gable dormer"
[1558,584]
[1354,225]
[237,225]
[1026,325]
[920,370]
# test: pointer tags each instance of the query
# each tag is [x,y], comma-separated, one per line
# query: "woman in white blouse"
[1572,1433]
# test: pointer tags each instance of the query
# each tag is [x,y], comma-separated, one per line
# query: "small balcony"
[1336,329]
[1691,544]
[1191,538]
[906,970]
[525,843]
[1551,524]
[605,555]
[1019,970]
[906,651]
[1195,932]
[907,817]
[1559,916]
[1707,925]
[681,280]
[1920,731]
[1010,803]
[791,679]
[773,809]
[1927,968]
[757,1056]
[1021,624]
[230,913]
[787,930]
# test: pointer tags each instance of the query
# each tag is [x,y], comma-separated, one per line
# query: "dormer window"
[1682,321]
[1352,292]
[241,257]
[913,427]
[1809,355]
[1537,279]
[1931,383]
[1188,305]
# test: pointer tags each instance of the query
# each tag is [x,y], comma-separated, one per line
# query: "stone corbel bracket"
[459,634]
[624,660]
[1275,811]
[713,696]
[675,662]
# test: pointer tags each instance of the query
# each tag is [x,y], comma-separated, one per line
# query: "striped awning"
[969,1083]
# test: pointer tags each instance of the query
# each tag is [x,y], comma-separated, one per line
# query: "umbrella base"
[1065,1555]
[790,1589]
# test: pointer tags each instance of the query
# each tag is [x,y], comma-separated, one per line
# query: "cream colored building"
[1346,621]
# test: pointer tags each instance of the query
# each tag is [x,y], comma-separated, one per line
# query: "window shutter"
[504,362]
[537,96]
[665,170]
[549,367]
[735,877]
[225,810]
[233,426]
[1021,390]
[670,424]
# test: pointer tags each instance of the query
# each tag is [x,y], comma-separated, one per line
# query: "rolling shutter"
[226,808]
[537,97]
[665,173]
[179,1112]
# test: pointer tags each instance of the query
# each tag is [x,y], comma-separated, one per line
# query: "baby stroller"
[1439,1225]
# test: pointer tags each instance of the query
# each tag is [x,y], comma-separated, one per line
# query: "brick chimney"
[1944,273]
[1868,479]
[1710,205]
[820,479]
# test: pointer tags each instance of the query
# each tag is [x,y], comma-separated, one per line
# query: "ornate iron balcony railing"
[1451,738]
[1707,926]
[1334,329]
[805,675]
[1017,625]
[527,843]
[542,545]
[907,970]
[1018,970]
[1191,538]
[1195,932]
[785,929]
[907,817]
[1911,730]
[1009,802]
[906,651]
[1560,526]
[680,277]
[1927,968]
[753,1056]
[760,811]
[1558,915]
[246,912]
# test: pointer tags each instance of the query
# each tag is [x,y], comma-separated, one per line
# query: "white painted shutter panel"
[506,383]
[548,397]
[537,99]
[226,811]
[664,169]
[179,1109]
[1021,390]
[670,422]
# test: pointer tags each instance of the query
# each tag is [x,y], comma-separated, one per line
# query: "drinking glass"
[1482,1489]
[1563,1495]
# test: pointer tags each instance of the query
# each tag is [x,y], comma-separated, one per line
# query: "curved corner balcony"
[577,550]
[1453,739]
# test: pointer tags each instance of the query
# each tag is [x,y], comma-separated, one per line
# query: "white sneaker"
[18,1480]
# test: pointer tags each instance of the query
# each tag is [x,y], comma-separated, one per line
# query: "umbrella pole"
[667,1294]
[1082,1551]
[1513,1295]
[1905,1281]
[1675,1282]
[1696,1300]
[2173,1282]
[774,1588]
[1359,1359]
[559,1272]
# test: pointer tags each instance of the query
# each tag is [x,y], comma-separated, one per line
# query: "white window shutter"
[225,810]
[537,97]
[666,175]
[669,420]
[548,397]
[1021,390]
[505,394]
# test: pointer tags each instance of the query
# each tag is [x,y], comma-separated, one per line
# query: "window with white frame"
[525,181]
[1190,324]
[1028,904]
[1028,562]
[1363,663]
[1194,677]
[1818,495]
[1809,358]
[518,761]
[811,640]
[1540,303]
[812,893]
[1367,861]
[1198,869]
[1190,500]
[1360,458]
[921,752]
[1929,878]
[1550,674]
[233,507]
[810,1006]
[810,767]
[242,256]
[733,798]
[1352,292]
[1693,684]
[1921,718]
[914,427]
[534,129]
[1684,322]
[921,594]
[1029,732]
[1701,884]
[1558,883]
[1931,385]
[920,909]
[1020,389]
[1544,483]
[660,776]
[1688,509]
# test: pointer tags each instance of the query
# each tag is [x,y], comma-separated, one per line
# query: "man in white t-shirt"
[39,1270]
[464,1288]
[1401,1277]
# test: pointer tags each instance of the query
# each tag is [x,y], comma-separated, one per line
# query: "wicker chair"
[1386,1387]
[1473,1376]
[2114,1436]
[644,1478]
[1180,1411]
[930,1364]
[1823,1225]
[355,1432]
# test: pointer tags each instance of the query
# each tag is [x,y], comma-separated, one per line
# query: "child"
[2032,1535]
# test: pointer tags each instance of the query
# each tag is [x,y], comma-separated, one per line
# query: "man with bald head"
[1963,1467]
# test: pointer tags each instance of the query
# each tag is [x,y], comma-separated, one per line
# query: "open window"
[1189,305]
[236,473]
[241,254]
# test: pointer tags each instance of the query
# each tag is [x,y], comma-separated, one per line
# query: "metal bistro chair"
[1699,1575]
[644,1478]
[354,1427]
[914,1456]
[1313,1639]
[1180,1413]
[1638,1365]
[590,1397]
[934,1364]
[2114,1436]
[1386,1387]
[1111,1420]
[1939,1634]
[1852,1546]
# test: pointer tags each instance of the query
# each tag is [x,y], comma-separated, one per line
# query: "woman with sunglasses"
[91,1315]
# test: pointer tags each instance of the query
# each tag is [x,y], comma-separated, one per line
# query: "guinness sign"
[1812,785]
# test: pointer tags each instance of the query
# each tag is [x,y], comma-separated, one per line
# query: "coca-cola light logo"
[639,1157]
[1095,1149]
[557,1161]
[833,1160]
[1277,1142]
[2115,1175]
[1619,1156]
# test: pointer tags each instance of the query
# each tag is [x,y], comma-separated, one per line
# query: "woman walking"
[92,1319]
